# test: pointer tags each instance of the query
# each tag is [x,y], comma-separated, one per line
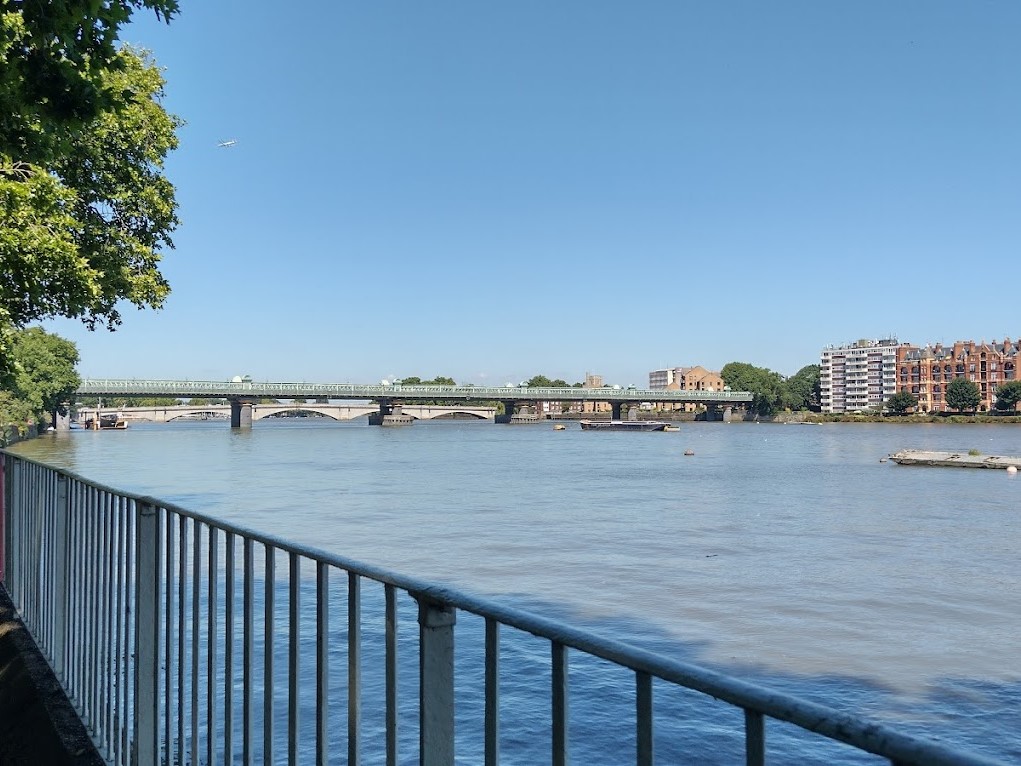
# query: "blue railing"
[164,627]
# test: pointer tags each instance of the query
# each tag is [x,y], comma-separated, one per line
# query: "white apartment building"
[859,376]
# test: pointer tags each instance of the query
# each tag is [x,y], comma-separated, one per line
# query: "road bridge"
[260,411]
[244,394]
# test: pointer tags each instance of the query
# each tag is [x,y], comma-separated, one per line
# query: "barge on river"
[954,459]
[623,425]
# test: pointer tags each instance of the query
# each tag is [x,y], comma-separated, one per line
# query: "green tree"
[803,391]
[14,412]
[41,372]
[1008,395]
[83,137]
[901,402]
[963,395]
[766,386]
[541,381]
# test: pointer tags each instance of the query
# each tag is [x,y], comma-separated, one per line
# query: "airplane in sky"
[227,144]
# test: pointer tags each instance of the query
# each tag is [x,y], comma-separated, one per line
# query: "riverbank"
[38,724]
[951,419]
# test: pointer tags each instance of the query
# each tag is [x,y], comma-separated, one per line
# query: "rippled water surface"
[788,555]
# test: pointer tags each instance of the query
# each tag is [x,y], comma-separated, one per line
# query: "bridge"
[260,411]
[390,398]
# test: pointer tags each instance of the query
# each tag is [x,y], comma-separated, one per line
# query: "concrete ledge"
[38,724]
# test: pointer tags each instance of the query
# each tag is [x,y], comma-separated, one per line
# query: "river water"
[790,556]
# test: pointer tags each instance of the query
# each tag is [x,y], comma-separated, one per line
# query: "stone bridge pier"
[241,412]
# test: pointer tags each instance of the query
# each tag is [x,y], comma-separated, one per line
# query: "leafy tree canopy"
[963,395]
[901,402]
[84,206]
[803,389]
[41,371]
[541,381]
[1008,395]
[766,386]
[439,380]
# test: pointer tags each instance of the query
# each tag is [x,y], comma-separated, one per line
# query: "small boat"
[559,427]
[671,428]
[623,425]
[524,417]
[953,459]
[107,422]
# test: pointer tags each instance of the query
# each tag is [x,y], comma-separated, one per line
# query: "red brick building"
[925,372]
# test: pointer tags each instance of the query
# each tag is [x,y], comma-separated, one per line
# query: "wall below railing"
[38,724]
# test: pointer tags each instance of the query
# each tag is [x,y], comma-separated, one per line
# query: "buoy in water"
[689,452]
[1011,469]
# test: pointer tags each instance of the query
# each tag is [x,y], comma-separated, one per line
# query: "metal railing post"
[4,504]
[60,595]
[147,635]
[436,683]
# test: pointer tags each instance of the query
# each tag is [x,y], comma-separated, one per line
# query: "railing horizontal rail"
[212,388]
[155,596]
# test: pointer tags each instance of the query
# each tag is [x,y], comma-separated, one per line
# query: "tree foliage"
[541,381]
[40,376]
[963,395]
[84,206]
[803,389]
[766,386]
[1008,395]
[439,380]
[773,392]
[901,402]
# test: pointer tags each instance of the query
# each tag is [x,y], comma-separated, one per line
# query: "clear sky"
[491,191]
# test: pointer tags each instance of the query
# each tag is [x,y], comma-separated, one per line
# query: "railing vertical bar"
[5,511]
[107,626]
[196,618]
[754,738]
[211,647]
[267,689]
[559,695]
[88,607]
[118,647]
[643,719]
[169,717]
[71,582]
[436,682]
[50,592]
[247,656]
[293,658]
[60,574]
[130,620]
[182,627]
[147,636]
[354,668]
[391,674]
[22,546]
[492,723]
[98,498]
[45,593]
[322,663]
[228,651]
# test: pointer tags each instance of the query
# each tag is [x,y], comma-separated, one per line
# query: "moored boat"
[623,425]
[107,422]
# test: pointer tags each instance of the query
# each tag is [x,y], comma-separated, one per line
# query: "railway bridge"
[389,399]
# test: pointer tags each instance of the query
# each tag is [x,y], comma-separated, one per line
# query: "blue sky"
[495,190]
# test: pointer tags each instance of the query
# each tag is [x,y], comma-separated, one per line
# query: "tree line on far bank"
[962,395]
